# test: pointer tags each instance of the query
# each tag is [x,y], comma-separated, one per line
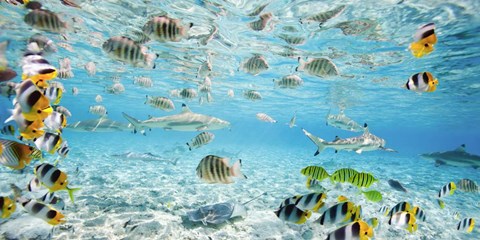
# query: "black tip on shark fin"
[365,125]
[184,105]
[336,151]
[463,145]
[316,153]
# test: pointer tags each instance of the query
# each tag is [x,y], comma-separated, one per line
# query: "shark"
[145,157]
[343,122]
[457,158]
[99,125]
[186,120]
[359,144]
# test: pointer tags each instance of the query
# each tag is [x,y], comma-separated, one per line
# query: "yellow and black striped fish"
[316,172]
[400,207]
[290,200]
[200,140]
[384,210]
[34,105]
[362,179]
[419,213]
[404,220]
[42,211]
[447,189]
[314,185]
[53,179]
[17,155]
[214,169]
[45,20]
[467,224]
[343,175]
[422,82]
[339,213]
[166,29]
[356,230]
[290,213]
[54,94]
[311,201]
[8,130]
[7,207]
[424,40]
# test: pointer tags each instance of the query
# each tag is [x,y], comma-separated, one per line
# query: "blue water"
[153,197]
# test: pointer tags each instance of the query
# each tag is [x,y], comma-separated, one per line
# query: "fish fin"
[359,151]
[11,118]
[301,64]
[439,162]
[71,191]
[316,140]
[203,127]
[235,170]
[137,125]
[461,148]
[185,109]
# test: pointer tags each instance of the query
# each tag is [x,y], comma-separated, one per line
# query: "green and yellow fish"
[373,195]
[362,179]
[315,172]
[7,206]
[342,175]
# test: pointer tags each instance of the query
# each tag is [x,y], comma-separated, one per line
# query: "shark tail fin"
[318,141]
[137,125]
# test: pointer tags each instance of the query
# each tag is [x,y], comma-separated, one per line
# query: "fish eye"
[61,183]
[9,208]
[34,131]
[426,45]
[38,111]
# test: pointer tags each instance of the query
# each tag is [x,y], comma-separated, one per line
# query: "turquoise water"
[134,199]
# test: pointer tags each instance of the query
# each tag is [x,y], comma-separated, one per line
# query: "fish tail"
[11,118]
[71,191]
[150,58]
[137,125]
[318,141]
[236,172]
[189,147]
[418,49]
[301,64]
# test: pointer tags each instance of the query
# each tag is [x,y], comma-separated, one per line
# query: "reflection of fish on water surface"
[457,158]
[99,125]
[145,157]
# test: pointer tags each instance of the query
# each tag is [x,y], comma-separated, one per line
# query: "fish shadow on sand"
[193,225]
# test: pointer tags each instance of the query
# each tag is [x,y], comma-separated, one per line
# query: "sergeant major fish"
[201,139]
[126,50]
[214,169]
[320,67]
[166,29]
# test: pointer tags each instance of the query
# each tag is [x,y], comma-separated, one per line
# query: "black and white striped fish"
[49,142]
[52,200]
[188,93]
[42,211]
[163,103]
[320,67]
[290,213]
[447,189]
[63,150]
[339,213]
[201,139]
[422,82]
[252,95]
[126,50]
[255,65]
[467,185]
[261,23]
[45,20]
[166,29]
[466,224]
[143,82]
[353,231]
[323,17]
[292,39]
[214,169]
[289,81]
[419,213]
[311,201]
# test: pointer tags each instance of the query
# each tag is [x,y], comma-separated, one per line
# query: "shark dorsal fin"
[185,109]
[461,148]
[365,128]
[336,138]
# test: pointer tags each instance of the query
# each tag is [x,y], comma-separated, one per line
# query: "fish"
[384,210]
[343,122]
[466,225]
[52,200]
[200,140]
[98,98]
[34,105]
[404,220]
[38,70]
[145,157]
[98,125]
[166,29]
[204,69]
[54,94]
[45,20]
[261,23]
[16,155]
[42,211]
[70,3]
[215,169]
[55,122]
[34,185]
[49,142]
[7,207]
[145,82]
[363,26]
[400,207]
[343,175]
[291,124]
[125,50]
[311,201]
[115,88]
[291,213]
[265,118]
[8,130]
[99,110]
[364,142]
[362,179]
[373,222]
[456,215]
[338,213]
[424,40]
[252,95]
[255,65]
[314,185]
[45,44]
[447,189]
[290,200]
[323,17]
[6,73]
[457,158]
[320,67]
[419,213]
[63,150]
[91,68]
[421,82]
[62,110]
[441,203]
[467,185]
[74,91]
[8,89]
[373,195]
[315,172]
[293,39]
[358,230]
[53,179]
[188,93]
[396,185]
[184,121]
[290,81]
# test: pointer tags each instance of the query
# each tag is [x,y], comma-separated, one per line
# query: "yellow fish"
[17,155]
[7,207]
[42,211]
[53,179]
[422,82]
[424,40]
[33,103]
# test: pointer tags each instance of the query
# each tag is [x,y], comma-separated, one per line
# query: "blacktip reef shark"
[364,142]
[145,157]
[343,122]
[99,125]
[184,121]
[457,158]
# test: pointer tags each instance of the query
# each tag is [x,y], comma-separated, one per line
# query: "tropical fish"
[467,224]
[400,207]
[311,201]
[42,211]
[339,213]
[17,155]
[373,195]
[467,185]
[291,124]
[363,179]
[315,172]
[424,40]
[448,188]
[54,94]
[74,91]
[49,142]
[422,82]
[441,203]
[115,88]
[343,122]
[214,169]
[289,81]
[45,20]
[290,213]
[373,222]
[62,110]
[364,26]
[384,210]
[255,65]
[292,39]
[261,23]
[265,118]
[252,95]
[34,105]
[99,110]
[343,175]
[419,213]
[457,158]
[364,142]
[126,50]
[55,122]
[7,207]
[396,185]
[34,185]
[53,179]
[63,150]
[201,139]
[358,230]
[320,67]
[8,130]
[184,121]
[36,68]
[404,220]
[166,29]
[52,200]
[6,73]
[290,200]
[99,125]
[314,185]
[44,43]
[145,82]
[323,17]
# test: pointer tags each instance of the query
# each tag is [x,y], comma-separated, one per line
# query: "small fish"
[343,175]
[314,185]
[44,43]
[45,20]
[384,210]
[49,142]
[42,211]
[99,110]
[419,213]
[400,207]
[424,40]
[467,224]
[396,185]
[165,29]
[6,73]
[339,213]
[289,81]
[441,203]
[404,220]
[34,185]
[16,155]
[162,103]
[252,95]
[7,207]
[54,94]
[38,70]
[65,74]
[290,213]
[320,67]
[467,185]
[422,82]
[98,98]
[52,200]
[8,130]
[255,65]
[230,93]
[315,172]
[145,82]
[188,93]
[362,180]
[323,17]
[62,110]
[311,201]
[29,130]
[265,118]
[55,122]
[261,23]
[116,88]
[456,215]
[53,179]
[358,230]
[447,189]
[63,150]
[204,69]
[290,200]
[201,139]
[126,50]
[373,195]
[292,39]
[91,68]
[373,222]
[291,124]
[214,169]
[74,91]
